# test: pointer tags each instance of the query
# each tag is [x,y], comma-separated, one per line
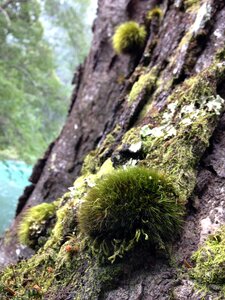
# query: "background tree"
[33,98]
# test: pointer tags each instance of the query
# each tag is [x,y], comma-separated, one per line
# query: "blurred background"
[41,44]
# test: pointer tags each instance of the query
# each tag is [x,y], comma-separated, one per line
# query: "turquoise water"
[13,179]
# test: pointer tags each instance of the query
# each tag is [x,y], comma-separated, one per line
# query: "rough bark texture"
[186,41]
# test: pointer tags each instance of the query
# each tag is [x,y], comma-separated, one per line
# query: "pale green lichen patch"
[210,261]
[145,83]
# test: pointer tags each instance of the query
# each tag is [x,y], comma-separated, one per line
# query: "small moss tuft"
[144,84]
[129,38]
[210,260]
[35,223]
[156,12]
[131,206]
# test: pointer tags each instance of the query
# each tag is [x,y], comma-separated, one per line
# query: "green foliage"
[129,37]
[71,37]
[34,224]
[210,260]
[32,108]
[127,207]
[33,101]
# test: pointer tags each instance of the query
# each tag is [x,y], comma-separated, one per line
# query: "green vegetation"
[36,224]
[156,12]
[127,207]
[33,100]
[190,3]
[145,83]
[133,209]
[210,261]
[181,132]
[129,37]
[72,35]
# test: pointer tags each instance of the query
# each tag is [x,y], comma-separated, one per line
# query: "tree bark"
[182,44]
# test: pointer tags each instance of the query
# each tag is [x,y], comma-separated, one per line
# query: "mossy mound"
[36,224]
[131,206]
[156,12]
[210,260]
[129,37]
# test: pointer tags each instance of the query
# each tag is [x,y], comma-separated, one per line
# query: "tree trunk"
[184,59]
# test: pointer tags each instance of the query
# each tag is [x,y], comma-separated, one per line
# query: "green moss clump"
[210,260]
[127,207]
[35,223]
[156,12]
[145,83]
[129,37]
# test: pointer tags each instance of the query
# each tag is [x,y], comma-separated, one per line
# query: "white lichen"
[203,16]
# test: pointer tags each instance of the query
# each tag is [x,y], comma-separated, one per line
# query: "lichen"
[177,137]
[129,37]
[172,140]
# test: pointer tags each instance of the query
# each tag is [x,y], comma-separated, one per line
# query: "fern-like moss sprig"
[129,37]
[128,207]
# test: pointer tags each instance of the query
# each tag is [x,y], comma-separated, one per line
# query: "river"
[13,179]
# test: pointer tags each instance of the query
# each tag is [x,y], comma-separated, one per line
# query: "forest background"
[41,43]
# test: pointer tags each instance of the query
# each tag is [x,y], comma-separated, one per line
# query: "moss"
[65,224]
[129,37]
[93,161]
[131,137]
[220,55]
[89,165]
[104,149]
[28,275]
[128,207]
[178,136]
[210,261]
[34,224]
[155,12]
[145,83]
[173,141]
[190,3]
[55,272]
